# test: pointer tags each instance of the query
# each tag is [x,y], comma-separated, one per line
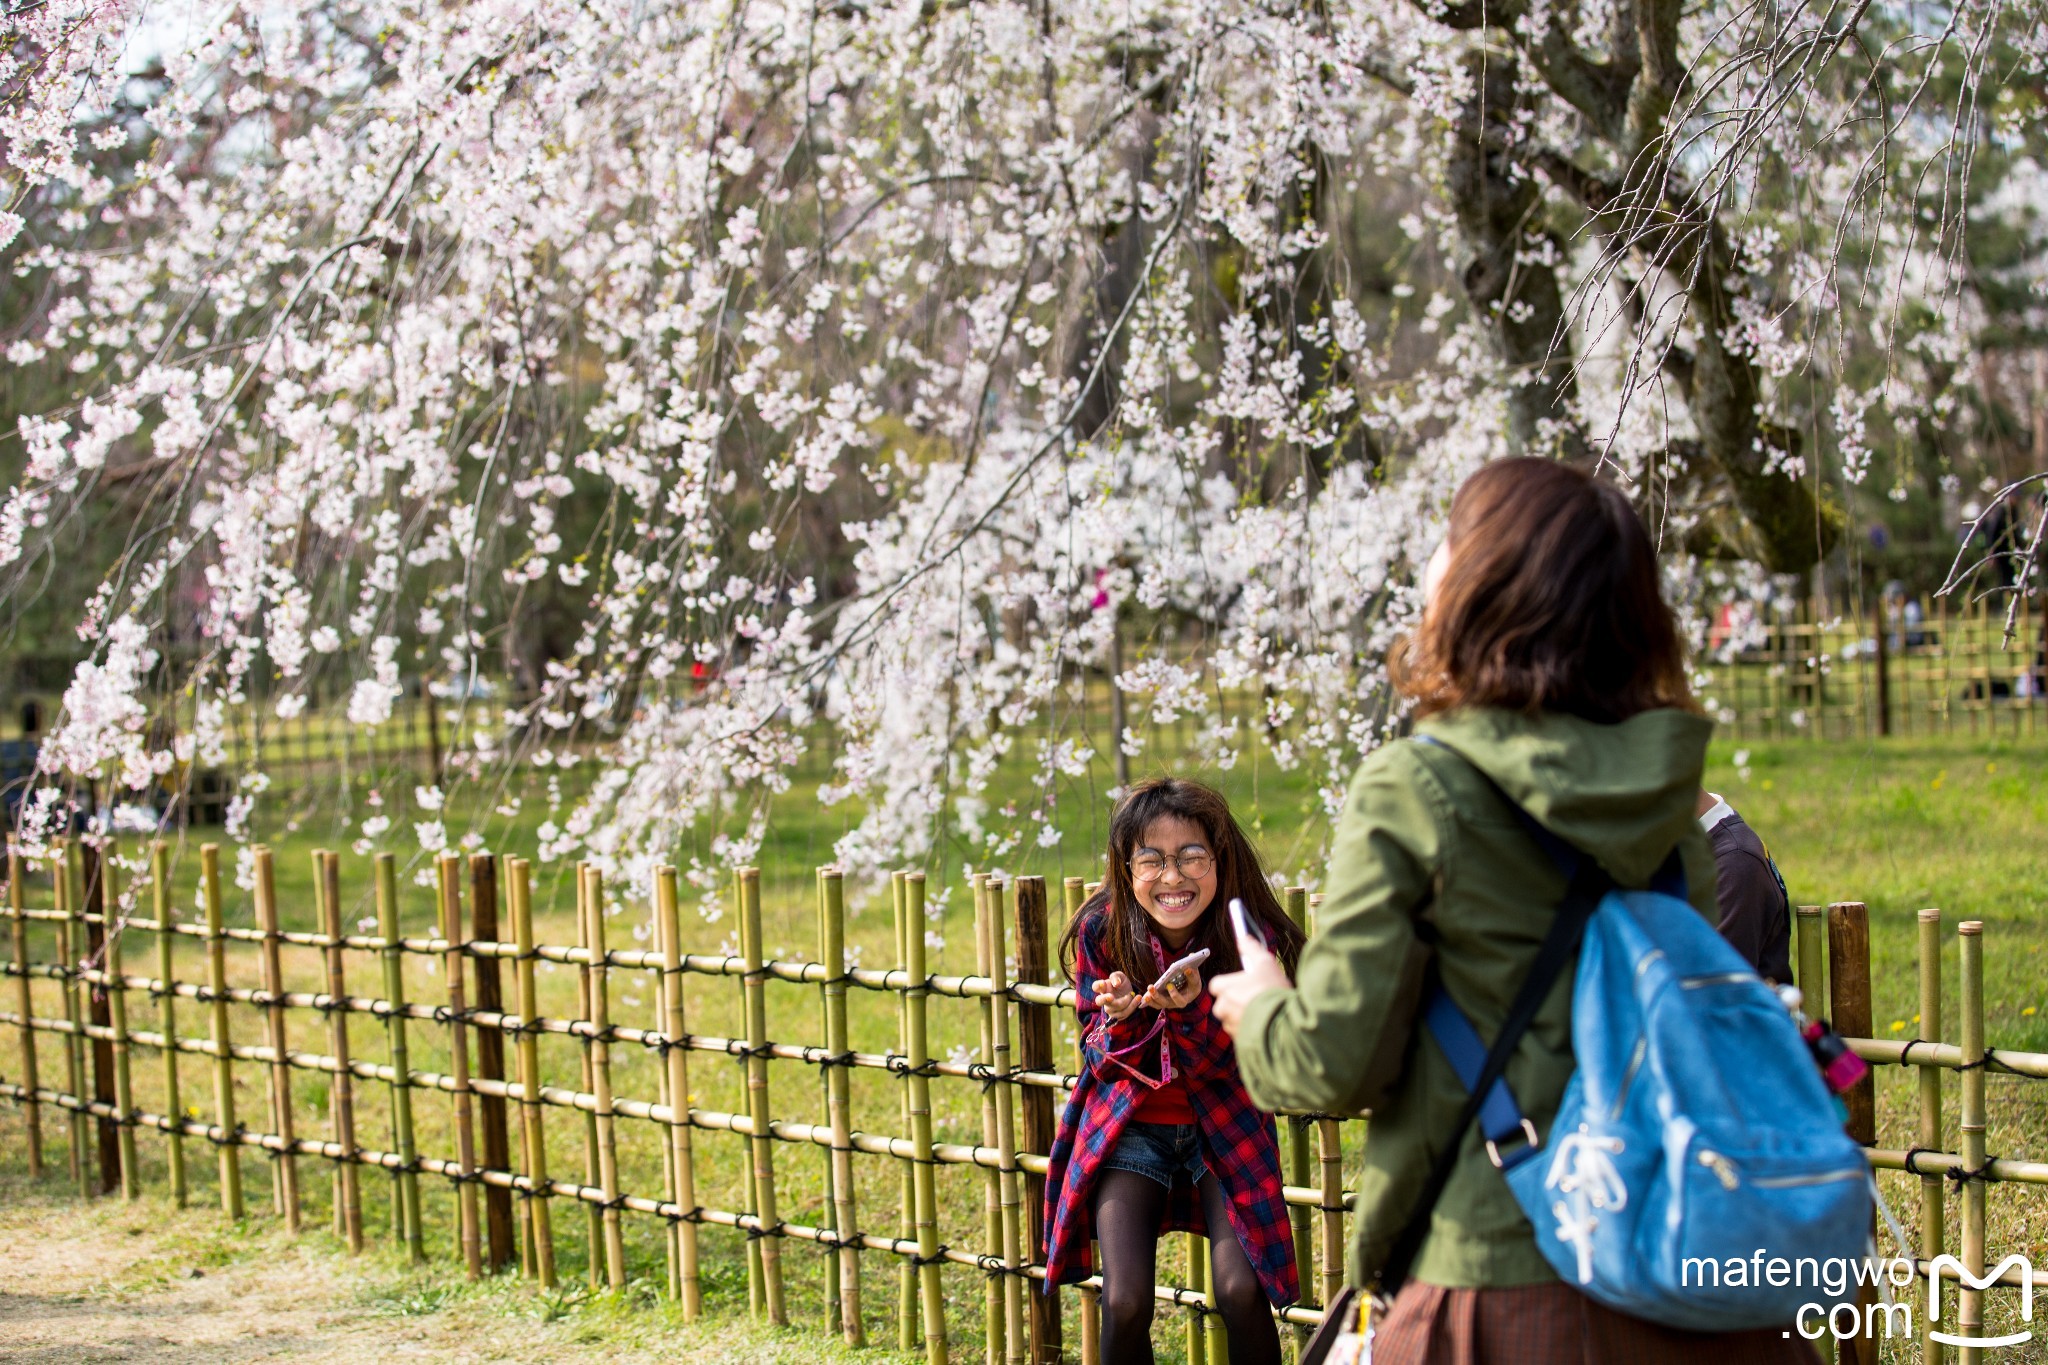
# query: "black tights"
[1128,1210]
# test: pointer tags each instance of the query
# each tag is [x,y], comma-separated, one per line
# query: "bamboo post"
[217,1011]
[174,1103]
[917,1054]
[1296,901]
[1004,1092]
[839,1105]
[1884,679]
[405,1180]
[593,1216]
[348,1202]
[1034,1053]
[284,1169]
[828,1220]
[906,1227]
[1850,1012]
[490,1061]
[757,1097]
[1810,946]
[993,1317]
[74,1017]
[1970,1315]
[532,1128]
[117,1018]
[1329,1142]
[456,987]
[1932,1195]
[92,897]
[1946,650]
[1197,1282]
[601,1074]
[1075,893]
[669,920]
[25,1006]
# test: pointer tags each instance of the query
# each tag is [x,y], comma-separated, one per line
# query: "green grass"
[1899,825]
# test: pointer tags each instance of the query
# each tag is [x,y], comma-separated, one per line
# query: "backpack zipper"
[1725,1170]
[1628,1078]
[1717,979]
[1720,1166]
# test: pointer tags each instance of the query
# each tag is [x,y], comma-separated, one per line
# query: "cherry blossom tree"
[740,378]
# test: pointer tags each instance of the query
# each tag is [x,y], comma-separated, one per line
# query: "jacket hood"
[1624,793]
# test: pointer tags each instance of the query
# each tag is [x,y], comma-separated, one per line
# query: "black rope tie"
[938,1257]
[1962,1175]
[833,1059]
[736,1047]
[755,1234]
[1983,1061]
[1913,1153]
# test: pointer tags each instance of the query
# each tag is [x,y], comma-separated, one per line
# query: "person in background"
[1756,910]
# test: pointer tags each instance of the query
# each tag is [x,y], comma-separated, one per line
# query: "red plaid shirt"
[1240,1146]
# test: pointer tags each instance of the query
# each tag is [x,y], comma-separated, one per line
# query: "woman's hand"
[1185,986]
[1232,991]
[1114,996]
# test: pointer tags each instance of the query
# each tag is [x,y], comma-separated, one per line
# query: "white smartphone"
[1242,923]
[1174,979]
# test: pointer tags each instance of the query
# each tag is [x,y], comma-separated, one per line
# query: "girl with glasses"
[1159,1135]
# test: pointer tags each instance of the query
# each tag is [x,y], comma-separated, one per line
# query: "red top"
[1168,1104]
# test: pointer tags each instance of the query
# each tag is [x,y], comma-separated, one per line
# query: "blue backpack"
[1697,1174]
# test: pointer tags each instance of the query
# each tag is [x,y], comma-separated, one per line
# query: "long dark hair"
[1551,603]
[1121,925]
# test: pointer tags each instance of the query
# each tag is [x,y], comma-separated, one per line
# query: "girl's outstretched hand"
[1232,991]
[1114,996]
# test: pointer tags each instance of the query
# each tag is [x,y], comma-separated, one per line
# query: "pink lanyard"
[1115,1056]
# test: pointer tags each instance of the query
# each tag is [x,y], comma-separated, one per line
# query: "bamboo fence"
[505,1192]
[1809,674]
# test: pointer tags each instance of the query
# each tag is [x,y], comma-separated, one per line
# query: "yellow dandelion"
[1897,1025]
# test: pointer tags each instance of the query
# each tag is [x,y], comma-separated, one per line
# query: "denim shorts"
[1161,1151]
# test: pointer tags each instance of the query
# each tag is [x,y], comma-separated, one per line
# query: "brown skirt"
[1554,1324]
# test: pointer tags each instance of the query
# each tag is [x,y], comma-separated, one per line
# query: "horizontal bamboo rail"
[1003,1254]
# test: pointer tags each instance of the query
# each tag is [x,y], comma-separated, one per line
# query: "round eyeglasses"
[1150,867]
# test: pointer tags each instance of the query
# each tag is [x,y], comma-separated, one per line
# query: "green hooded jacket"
[1424,836]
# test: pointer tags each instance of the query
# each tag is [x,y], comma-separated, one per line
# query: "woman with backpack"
[1545,674]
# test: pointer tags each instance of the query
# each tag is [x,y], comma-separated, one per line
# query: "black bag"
[1341,1317]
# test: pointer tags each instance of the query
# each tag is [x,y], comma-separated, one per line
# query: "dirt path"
[103,1281]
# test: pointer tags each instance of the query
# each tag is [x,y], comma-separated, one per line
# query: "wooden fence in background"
[1947,670]
[503,1168]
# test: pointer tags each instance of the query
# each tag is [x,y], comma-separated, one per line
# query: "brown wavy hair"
[1550,602]
[1113,917]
